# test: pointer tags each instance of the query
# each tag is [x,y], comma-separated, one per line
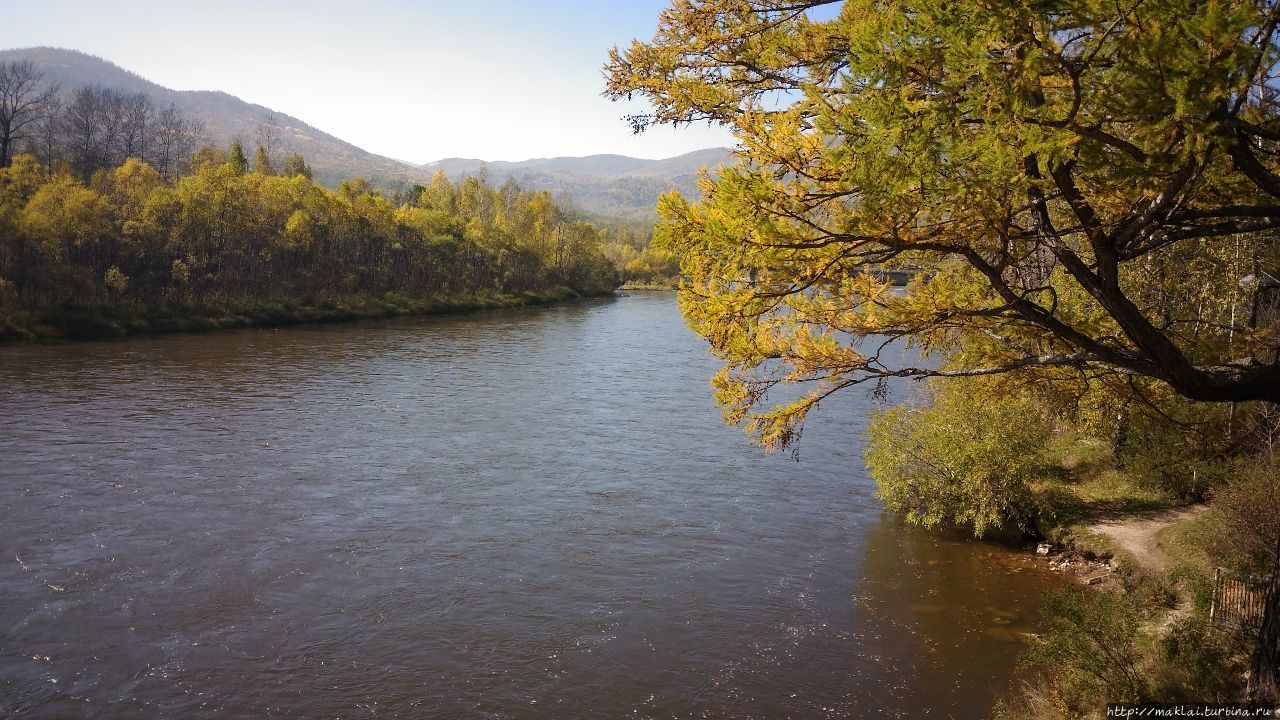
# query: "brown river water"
[514,514]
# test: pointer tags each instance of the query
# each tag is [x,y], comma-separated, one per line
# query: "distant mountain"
[609,185]
[225,117]
[614,186]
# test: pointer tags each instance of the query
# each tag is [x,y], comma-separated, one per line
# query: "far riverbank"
[97,321]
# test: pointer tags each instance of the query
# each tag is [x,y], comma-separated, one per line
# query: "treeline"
[225,233]
[629,246]
[92,128]
[100,128]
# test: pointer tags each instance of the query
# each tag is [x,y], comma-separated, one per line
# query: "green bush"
[1246,512]
[1091,642]
[1195,664]
[1175,447]
[964,458]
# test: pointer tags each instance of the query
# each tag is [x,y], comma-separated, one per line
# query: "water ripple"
[516,514]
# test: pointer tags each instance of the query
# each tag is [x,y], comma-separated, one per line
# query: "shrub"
[1091,640]
[1195,665]
[965,458]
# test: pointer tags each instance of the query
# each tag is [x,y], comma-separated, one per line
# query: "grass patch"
[1088,488]
[651,285]
[115,320]
[1186,541]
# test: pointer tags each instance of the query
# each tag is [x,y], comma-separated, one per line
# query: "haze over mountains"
[610,185]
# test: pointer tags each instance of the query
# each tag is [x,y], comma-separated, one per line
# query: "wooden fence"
[1238,600]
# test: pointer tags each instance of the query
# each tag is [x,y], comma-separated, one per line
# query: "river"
[529,513]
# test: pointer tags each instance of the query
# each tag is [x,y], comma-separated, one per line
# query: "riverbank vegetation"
[96,241]
[641,264]
[225,247]
[1087,197]
[1015,451]
[1003,452]
[1153,629]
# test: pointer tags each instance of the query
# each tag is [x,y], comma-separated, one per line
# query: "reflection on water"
[530,513]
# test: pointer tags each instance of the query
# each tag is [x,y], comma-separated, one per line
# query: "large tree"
[1089,186]
[24,100]
[1052,166]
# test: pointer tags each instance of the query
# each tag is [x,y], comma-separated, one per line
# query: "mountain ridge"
[632,164]
[608,184]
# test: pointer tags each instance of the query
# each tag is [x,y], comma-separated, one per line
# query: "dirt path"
[1137,535]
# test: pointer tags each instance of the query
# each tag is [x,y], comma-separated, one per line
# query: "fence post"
[1217,586]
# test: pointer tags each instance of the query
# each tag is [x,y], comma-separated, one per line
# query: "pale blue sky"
[418,81]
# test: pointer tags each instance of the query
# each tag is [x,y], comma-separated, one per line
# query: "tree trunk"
[1264,673]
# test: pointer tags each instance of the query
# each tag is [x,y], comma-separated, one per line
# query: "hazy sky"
[418,81]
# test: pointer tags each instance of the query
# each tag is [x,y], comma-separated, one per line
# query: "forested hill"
[609,185]
[225,117]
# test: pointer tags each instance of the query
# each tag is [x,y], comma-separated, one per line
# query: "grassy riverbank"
[88,321]
[1135,625]
[658,284]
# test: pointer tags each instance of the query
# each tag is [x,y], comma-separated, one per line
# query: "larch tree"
[296,165]
[1074,186]
[236,159]
[262,162]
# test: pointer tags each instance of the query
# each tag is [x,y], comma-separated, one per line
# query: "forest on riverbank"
[226,246]
[116,220]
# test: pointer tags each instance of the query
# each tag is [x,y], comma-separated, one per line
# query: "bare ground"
[1139,535]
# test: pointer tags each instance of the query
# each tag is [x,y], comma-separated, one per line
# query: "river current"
[529,513]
